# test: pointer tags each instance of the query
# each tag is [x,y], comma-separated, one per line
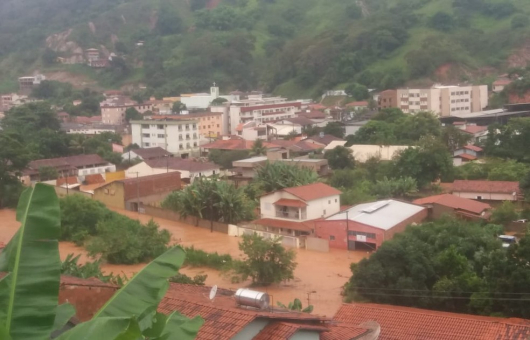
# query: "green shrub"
[197,280]
[200,258]
[79,217]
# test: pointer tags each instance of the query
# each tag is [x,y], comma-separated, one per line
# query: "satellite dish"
[213,292]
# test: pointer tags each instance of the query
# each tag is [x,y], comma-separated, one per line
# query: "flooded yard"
[318,276]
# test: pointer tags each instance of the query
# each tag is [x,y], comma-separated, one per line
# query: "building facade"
[113,109]
[209,124]
[442,100]
[180,137]
[487,190]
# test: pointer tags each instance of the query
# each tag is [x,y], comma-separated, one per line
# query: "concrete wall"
[315,209]
[112,195]
[486,196]
[317,244]
[173,216]
[327,230]
[417,218]
[62,192]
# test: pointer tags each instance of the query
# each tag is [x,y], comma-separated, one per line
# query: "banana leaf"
[119,328]
[28,294]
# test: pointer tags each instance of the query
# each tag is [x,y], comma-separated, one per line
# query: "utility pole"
[348,233]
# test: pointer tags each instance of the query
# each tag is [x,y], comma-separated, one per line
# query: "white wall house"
[203,100]
[302,203]
[188,168]
[180,137]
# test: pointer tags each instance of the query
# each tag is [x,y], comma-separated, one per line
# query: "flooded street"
[320,274]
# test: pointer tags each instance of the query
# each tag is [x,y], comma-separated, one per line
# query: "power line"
[446,297]
[438,291]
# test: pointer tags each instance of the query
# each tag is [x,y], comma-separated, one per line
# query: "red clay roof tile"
[466,157]
[455,202]
[473,148]
[313,191]
[503,187]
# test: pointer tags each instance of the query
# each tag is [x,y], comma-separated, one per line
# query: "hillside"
[292,47]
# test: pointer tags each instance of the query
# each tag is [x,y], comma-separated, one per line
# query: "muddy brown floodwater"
[319,275]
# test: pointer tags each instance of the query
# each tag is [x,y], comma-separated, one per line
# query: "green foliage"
[132,114]
[296,306]
[71,267]
[279,175]
[397,188]
[335,129]
[218,101]
[13,159]
[449,265]
[441,21]
[120,240]
[197,280]
[212,200]
[47,173]
[510,140]
[504,214]
[225,158]
[340,158]
[258,149]
[519,20]
[200,258]
[178,107]
[357,91]
[267,261]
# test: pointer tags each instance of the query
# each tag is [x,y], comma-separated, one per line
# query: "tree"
[32,266]
[373,133]
[340,158]
[168,21]
[13,159]
[400,187]
[30,118]
[267,261]
[275,176]
[454,138]
[218,101]
[296,306]
[132,114]
[335,129]
[225,158]
[504,214]
[519,20]
[178,107]
[49,57]
[441,21]
[357,91]
[258,148]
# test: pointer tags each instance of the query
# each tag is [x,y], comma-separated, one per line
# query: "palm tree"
[258,148]
[76,144]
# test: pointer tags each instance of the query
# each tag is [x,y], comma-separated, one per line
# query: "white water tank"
[252,298]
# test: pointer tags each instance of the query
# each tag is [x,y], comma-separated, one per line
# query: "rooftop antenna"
[213,292]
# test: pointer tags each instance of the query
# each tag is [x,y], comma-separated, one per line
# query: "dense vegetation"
[116,238]
[297,47]
[449,265]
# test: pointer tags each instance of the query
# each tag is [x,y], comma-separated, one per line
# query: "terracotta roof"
[503,187]
[65,163]
[317,106]
[473,129]
[305,146]
[455,202]
[312,114]
[223,318]
[502,82]
[361,103]
[234,144]
[299,120]
[473,148]
[271,222]
[277,330]
[94,179]
[175,163]
[150,153]
[466,157]
[290,203]
[271,106]
[420,324]
[324,140]
[459,123]
[134,188]
[313,191]
[66,180]
[343,332]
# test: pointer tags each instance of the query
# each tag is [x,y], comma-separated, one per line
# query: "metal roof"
[381,214]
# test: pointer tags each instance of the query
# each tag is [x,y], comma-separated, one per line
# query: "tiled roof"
[503,187]
[175,163]
[473,148]
[94,179]
[324,140]
[419,324]
[317,106]
[305,146]
[312,114]
[343,332]
[299,120]
[466,157]
[66,180]
[235,144]
[150,153]
[502,82]
[361,103]
[455,202]
[223,318]
[65,163]
[270,222]
[312,191]
[290,203]
[473,129]
[277,330]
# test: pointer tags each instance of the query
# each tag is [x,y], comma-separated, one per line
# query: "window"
[145,126]
[180,127]
[180,147]
[335,200]
[161,136]
[360,233]
[324,211]
[146,145]
[145,135]
[331,238]
[160,127]
[329,201]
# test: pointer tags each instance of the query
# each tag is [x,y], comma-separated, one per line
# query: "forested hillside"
[292,47]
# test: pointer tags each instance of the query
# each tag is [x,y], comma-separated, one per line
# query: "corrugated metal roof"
[382,214]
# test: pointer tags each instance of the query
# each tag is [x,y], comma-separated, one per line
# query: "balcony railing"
[292,215]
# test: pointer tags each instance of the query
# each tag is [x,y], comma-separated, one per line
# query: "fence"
[288,241]
[173,216]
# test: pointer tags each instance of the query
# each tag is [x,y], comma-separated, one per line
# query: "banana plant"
[296,305]
[29,290]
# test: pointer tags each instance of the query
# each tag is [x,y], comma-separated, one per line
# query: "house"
[499,84]
[478,133]
[357,106]
[322,139]
[291,212]
[387,99]
[368,225]
[188,168]
[362,153]
[398,322]
[80,165]
[179,137]
[210,124]
[233,143]
[26,84]
[113,109]
[203,100]
[133,193]
[466,154]
[146,154]
[440,205]
[487,190]
[226,319]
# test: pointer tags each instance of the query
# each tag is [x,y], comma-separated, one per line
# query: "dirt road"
[320,274]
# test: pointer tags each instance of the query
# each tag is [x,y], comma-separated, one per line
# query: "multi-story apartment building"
[26,84]
[113,109]
[442,100]
[210,124]
[176,136]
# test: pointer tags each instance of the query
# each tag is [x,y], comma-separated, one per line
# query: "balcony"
[291,214]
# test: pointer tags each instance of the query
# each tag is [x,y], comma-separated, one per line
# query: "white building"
[362,152]
[203,100]
[188,168]
[176,136]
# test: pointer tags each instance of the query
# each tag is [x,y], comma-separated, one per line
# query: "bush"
[519,20]
[79,217]
[121,240]
[197,280]
[87,270]
[200,258]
